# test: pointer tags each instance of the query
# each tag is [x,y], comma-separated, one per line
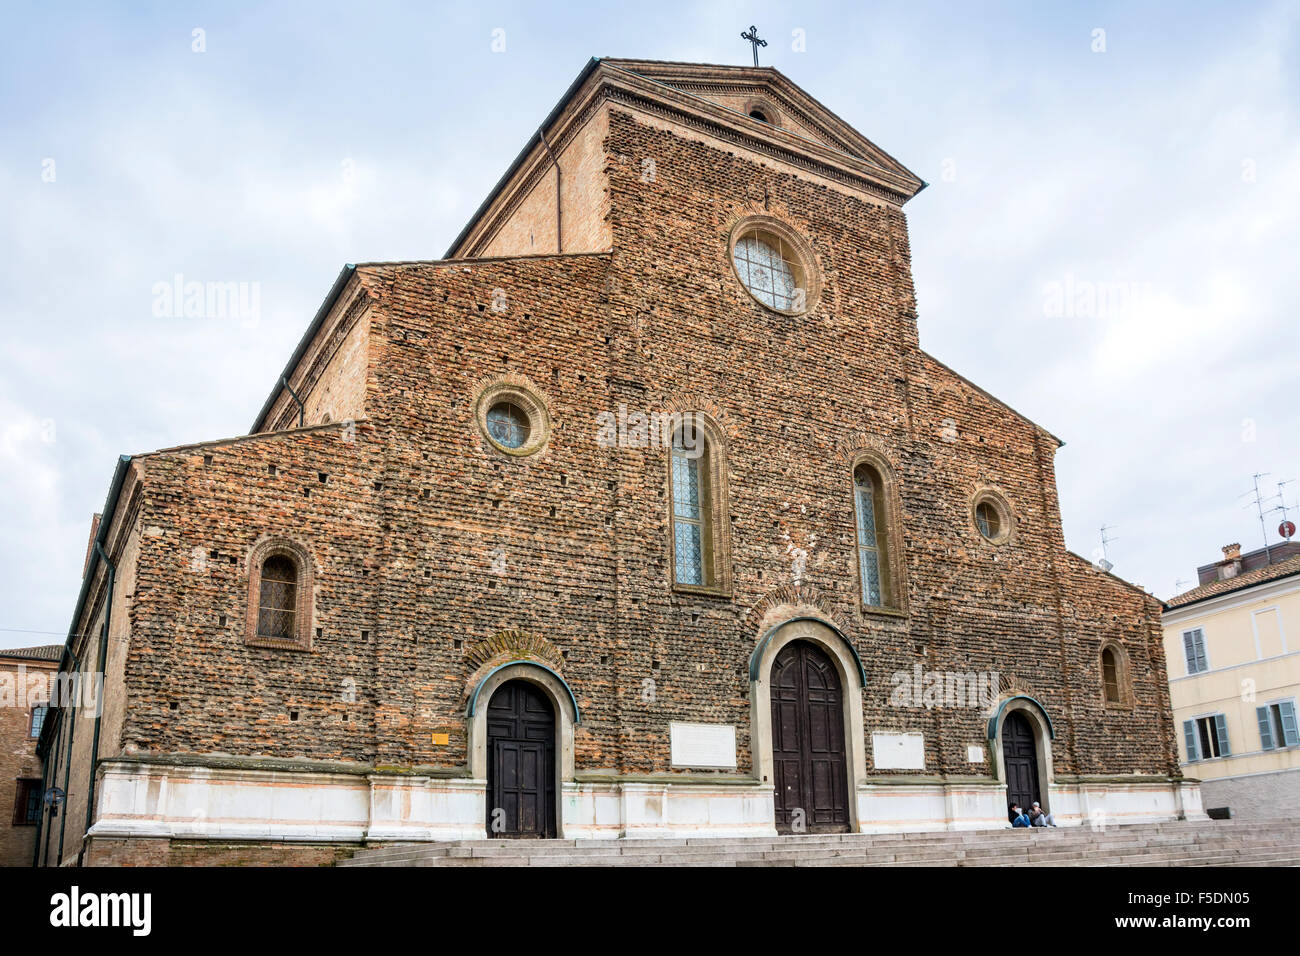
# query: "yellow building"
[1233,650]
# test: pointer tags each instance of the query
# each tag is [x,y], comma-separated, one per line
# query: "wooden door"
[521,762]
[810,767]
[1021,759]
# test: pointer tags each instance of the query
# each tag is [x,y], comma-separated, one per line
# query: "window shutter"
[1290,735]
[1221,731]
[1189,734]
[1265,728]
[1189,651]
[1199,641]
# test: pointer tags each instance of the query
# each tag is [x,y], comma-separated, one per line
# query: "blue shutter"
[1290,736]
[1201,664]
[1189,651]
[1221,732]
[1265,728]
[1189,734]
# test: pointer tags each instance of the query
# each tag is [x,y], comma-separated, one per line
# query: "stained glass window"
[507,423]
[767,268]
[868,542]
[689,528]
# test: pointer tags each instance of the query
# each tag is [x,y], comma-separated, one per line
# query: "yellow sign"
[442,739]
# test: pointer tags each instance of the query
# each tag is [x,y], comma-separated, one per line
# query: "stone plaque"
[898,751]
[975,754]
[703,745]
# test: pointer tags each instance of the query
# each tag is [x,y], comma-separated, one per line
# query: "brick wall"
[405,513]
[17,758]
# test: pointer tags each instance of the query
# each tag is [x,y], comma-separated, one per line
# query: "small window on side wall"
[280,596]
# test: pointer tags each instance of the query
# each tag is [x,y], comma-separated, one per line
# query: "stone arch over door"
[1035,715]
[561,698]
[832,642]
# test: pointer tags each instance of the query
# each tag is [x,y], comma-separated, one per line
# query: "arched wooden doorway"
[521,762]
[1020,757]
[810,768]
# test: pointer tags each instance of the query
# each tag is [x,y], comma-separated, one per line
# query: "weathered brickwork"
[18,759]
[436,556]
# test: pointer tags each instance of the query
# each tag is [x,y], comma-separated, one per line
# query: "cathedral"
[640,513]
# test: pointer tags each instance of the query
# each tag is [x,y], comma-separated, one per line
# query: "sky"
[1108,243]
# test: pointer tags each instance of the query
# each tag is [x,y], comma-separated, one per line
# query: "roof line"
[1244,586]
[523,154]
[304,342]
[1060,443]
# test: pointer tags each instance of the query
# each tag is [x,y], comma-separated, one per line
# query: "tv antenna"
[1258,502]
[1105,540]
[1287,528]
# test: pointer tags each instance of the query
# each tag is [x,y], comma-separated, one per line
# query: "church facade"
[640,513]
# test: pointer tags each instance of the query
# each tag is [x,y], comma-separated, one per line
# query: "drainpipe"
[67,764]
[559,222]
[99,672]
[302,409]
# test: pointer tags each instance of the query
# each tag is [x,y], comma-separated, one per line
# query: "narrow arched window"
[873,556]
[277,603]
[1110,676]
[692,506]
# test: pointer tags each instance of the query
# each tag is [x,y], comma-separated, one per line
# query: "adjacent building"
[25,674]
[642,512]
[1233,646]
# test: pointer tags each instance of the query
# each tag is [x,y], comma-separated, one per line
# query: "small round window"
[508,425]
[992,518]
[513,417]
[774,265]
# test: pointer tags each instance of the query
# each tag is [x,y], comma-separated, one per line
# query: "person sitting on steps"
[1040,819]
[1017,816]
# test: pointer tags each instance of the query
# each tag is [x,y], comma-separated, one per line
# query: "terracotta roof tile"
[1215,588]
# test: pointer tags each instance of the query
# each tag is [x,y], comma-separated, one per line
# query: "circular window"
[513,417]
[774,265]
[507,425]
[992,517]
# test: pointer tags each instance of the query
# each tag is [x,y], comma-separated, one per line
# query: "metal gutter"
[335,291]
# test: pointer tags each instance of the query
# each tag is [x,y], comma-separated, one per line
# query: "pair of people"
[1035,817]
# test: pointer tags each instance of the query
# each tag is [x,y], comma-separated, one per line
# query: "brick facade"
[22,671]
[436,556]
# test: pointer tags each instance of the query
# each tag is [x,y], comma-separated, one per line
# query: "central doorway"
[1020,757]
[810,767]
[521,762]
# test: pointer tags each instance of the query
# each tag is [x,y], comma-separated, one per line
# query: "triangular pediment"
[745,91]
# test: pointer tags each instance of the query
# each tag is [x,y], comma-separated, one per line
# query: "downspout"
[67,764]
[559,222]
[302,409]
[99,674]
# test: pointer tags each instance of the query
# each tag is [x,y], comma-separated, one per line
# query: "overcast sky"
[1154,166]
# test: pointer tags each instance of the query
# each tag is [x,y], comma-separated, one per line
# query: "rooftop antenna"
[754,41]
[1178,585]
[1105,558]
[1258,502]
[1287,528]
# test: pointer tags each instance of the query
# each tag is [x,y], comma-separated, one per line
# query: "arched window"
[698,514]
[278,599]
[873,539]
[1114,677]
[691,531]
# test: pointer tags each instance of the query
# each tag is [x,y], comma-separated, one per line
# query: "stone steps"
[1218,843]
